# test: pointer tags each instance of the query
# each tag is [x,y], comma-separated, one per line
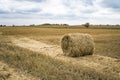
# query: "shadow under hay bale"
[77,44]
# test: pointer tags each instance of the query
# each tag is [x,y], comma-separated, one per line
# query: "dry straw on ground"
[0,33]
[77,44]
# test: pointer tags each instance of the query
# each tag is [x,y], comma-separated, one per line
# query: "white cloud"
[14,6]
[54,7]
[68,11]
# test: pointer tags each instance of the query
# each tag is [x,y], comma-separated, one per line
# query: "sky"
[73,12]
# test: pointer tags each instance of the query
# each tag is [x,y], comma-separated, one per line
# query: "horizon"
[72,12]
[57,24]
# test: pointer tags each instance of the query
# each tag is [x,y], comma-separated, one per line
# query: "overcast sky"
[25,12]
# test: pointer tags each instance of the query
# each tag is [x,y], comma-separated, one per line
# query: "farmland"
[39,66]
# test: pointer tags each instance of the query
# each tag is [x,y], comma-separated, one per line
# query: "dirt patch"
[96,62]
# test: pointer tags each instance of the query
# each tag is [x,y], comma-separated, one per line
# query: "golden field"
[43,67]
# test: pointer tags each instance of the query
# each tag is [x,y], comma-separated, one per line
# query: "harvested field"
[36,52]
[96,62]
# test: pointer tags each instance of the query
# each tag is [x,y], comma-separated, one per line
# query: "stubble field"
[37,65]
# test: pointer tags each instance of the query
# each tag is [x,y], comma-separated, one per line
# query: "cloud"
[68,11]
[3,12]
[112,4]
[14,6]
[32,0]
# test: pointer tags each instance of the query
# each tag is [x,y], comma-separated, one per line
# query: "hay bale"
[77,44]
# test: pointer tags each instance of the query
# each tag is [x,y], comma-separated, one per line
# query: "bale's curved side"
[77,44]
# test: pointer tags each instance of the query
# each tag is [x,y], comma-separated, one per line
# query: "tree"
[46,24]
[87,25]
[117,25]
[13,25]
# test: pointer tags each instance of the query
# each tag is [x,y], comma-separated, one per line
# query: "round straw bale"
[77,44]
